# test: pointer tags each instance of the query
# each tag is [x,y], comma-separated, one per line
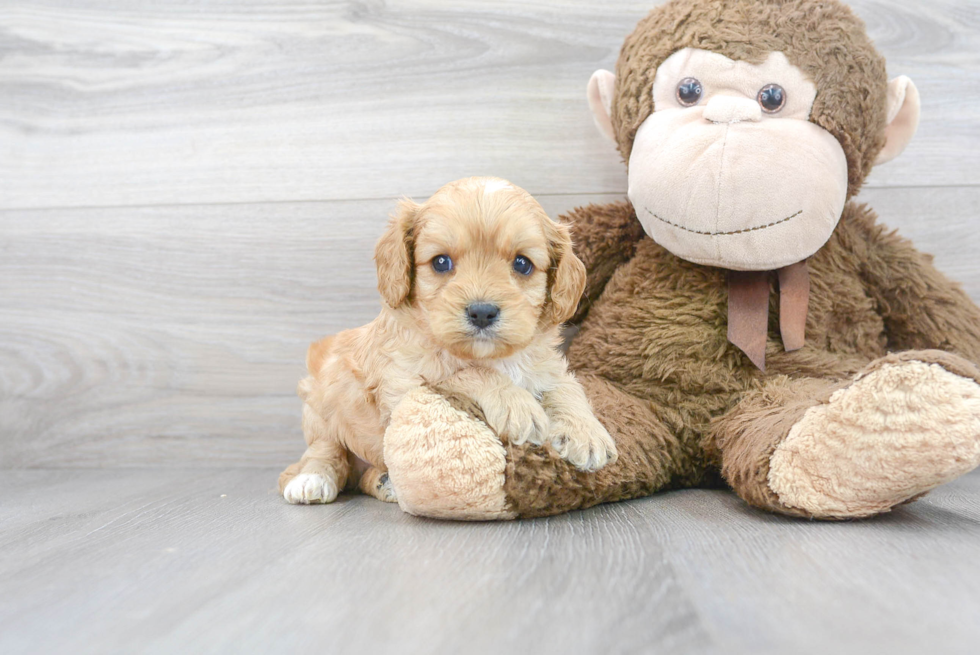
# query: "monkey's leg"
[540,483]
[444,461]
[815,448]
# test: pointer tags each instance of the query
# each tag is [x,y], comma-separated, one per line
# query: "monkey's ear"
[395,253]
[602,85]
[903,118]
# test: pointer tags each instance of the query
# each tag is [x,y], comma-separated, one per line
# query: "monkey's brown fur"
[683,404]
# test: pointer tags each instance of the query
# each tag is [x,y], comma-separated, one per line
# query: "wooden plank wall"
[190,192]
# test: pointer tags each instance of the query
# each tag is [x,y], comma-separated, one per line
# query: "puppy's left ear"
[394,255]
[566,279]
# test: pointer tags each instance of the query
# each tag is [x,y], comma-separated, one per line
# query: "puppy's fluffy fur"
[427,333]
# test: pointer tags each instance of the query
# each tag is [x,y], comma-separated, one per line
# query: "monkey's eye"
[689,92]
[523,265]
[442,264]
[772,97]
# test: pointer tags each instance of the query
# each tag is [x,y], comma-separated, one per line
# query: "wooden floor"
[213,561]
[189,195]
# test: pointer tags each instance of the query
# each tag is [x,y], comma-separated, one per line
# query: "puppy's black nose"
[482,314]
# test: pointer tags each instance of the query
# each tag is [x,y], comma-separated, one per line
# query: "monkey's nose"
[730,109]
[482,314]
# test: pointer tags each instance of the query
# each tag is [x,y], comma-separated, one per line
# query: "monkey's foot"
[907,424]
[443,460]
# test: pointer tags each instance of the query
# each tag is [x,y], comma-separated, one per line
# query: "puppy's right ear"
[395,255]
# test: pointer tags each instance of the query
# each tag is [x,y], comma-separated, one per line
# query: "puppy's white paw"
[521,417]
[308,488]
[583,442]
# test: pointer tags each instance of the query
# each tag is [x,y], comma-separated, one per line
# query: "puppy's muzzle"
[482,314]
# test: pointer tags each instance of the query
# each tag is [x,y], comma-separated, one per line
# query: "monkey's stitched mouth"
[722,234]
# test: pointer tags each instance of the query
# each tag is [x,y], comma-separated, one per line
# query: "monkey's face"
[728,171]
[747,125]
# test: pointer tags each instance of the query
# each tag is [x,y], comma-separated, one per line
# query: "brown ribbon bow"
[748,309]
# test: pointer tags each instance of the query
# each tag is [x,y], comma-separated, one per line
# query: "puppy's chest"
[519,370]
[521,374]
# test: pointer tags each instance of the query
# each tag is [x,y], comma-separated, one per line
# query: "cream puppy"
[475,282]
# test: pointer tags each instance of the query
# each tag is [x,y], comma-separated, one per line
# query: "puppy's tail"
[317,353]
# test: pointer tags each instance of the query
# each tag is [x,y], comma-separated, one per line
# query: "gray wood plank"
[941,221]
[214,561]
[175,336]
[109,103]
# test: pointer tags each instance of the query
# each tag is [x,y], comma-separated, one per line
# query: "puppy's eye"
[523,265]
[442,264]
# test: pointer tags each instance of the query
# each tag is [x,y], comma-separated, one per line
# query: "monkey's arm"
[604,237]
[921,307]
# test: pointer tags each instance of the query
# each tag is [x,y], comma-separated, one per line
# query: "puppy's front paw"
[520,416]
[308,488]
[583,442]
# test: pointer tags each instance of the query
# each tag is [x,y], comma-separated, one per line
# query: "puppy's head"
[480,266]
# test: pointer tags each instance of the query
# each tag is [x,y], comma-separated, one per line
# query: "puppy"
[475,282]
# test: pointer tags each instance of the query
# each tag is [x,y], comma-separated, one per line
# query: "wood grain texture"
[109,103]
[214,561]
[175,336]
[190,193]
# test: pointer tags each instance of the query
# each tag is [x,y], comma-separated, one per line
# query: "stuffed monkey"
[744,322]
